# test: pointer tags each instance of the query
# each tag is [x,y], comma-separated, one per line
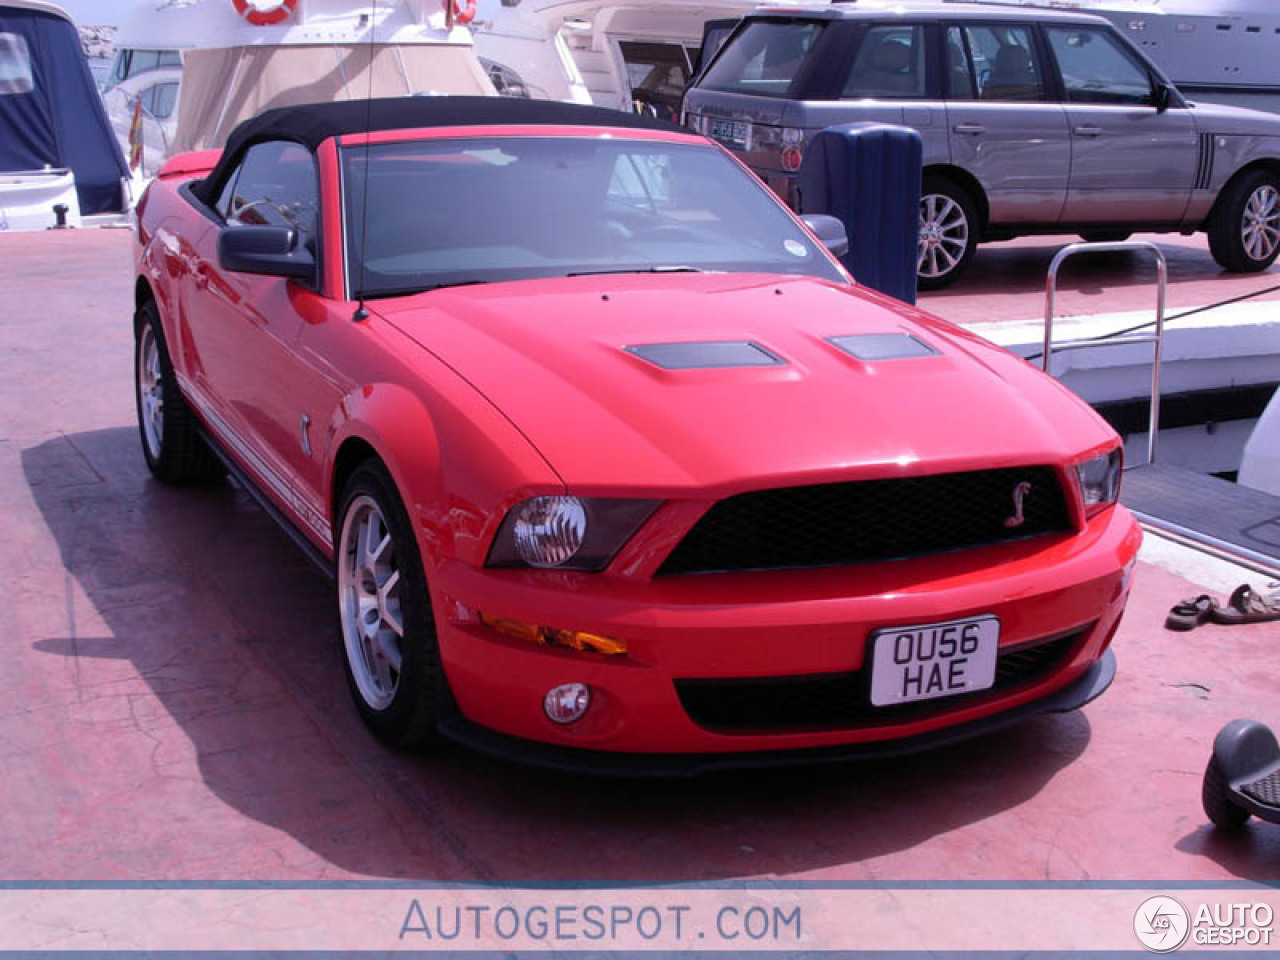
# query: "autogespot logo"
[1161,924]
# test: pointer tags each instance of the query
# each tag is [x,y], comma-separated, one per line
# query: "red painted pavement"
[1006,281]
[172,704]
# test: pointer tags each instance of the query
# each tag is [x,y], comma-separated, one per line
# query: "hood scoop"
[873,347]
[706,356]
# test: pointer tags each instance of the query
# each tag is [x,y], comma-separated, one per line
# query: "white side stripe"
[284,491]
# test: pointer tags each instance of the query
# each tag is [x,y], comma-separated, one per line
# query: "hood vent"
[706,356]
[873,347]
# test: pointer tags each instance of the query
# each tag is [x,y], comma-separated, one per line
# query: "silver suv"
[1034,121]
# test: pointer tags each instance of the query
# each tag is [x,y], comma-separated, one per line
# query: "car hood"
[553,356]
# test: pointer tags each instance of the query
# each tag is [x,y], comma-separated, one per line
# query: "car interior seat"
[1013,76]
[889,71]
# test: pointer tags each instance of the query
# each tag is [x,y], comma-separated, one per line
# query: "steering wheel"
[287,215]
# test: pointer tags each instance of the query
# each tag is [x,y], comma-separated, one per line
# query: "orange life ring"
[265,18]
[461,11]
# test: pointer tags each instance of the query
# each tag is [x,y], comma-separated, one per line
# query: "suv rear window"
[763,58]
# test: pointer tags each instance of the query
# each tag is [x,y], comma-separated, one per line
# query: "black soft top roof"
[312,123]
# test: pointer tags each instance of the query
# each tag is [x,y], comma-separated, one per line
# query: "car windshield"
[455,211]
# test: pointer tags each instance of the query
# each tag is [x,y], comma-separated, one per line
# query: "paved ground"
[1007,281]
[172,703]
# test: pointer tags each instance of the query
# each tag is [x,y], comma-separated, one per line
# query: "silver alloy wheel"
[1261,228]
[369,602]
[151,391]
[944,235]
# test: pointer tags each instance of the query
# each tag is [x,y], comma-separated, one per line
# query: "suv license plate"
[933,660]
[732,133]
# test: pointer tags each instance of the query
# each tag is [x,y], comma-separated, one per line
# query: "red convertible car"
[612,464]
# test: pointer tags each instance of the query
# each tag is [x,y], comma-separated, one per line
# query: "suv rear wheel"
[1244,232]
[948,233]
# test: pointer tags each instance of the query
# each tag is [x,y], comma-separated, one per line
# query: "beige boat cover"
[223,86]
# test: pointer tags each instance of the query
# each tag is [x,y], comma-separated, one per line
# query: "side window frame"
[967,53]
[313,240]
[928,44]
[1119,43]
[1050,78]
[1054,86]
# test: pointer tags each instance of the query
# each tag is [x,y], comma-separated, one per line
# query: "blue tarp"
[54,116]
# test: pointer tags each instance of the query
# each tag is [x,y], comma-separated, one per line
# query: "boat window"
[1096,69]
[763,57]
[443,212]
[275,185]
[890,63]
[130,63]
[160,99]
[1006,63]
[15,65]
[506,81]
[657,74]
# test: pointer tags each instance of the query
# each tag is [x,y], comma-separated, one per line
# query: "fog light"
[567,702]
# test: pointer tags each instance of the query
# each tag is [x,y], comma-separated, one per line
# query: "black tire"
[420,695]
[1105,236]
[1231,216]
[1217,801]
[176,452]
[934,268]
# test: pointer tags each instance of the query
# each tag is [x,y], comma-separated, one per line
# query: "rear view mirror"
[265,250]
[830,230]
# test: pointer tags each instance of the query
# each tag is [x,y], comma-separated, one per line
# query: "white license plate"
[933,660]
[733,133]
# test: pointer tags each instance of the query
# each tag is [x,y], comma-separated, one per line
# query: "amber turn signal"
[548,636]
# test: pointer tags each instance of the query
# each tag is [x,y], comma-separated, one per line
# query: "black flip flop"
[1246,606]
[1189,614]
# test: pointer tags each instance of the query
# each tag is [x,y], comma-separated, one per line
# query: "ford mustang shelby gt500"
[609,459]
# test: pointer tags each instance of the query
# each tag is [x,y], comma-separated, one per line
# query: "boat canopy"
[50,111]
[223,86]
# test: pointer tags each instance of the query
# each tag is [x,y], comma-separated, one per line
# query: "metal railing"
[1155,339]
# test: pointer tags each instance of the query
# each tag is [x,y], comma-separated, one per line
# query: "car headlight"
[567,533]
[1100,481]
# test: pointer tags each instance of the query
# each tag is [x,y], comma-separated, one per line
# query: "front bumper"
[1088,687]
[784,624]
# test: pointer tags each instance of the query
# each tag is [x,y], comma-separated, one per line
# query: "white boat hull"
[28,198]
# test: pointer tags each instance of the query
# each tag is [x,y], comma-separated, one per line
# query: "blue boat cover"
[50,110]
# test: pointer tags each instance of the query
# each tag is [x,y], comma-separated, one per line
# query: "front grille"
[739,705]
[845,523]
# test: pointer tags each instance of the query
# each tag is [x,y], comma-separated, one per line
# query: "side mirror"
[1161,96]
[830,230]
[269,251]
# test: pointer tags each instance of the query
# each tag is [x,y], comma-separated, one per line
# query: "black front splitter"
[673,765]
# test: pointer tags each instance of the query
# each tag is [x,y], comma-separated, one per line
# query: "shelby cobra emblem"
[1019,492]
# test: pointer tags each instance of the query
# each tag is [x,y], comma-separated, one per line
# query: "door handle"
[972,129]
[1088,130]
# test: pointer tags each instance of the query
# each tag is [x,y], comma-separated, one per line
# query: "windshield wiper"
[410,291]
[661,268]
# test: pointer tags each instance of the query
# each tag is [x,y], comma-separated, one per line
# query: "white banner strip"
[790,919]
